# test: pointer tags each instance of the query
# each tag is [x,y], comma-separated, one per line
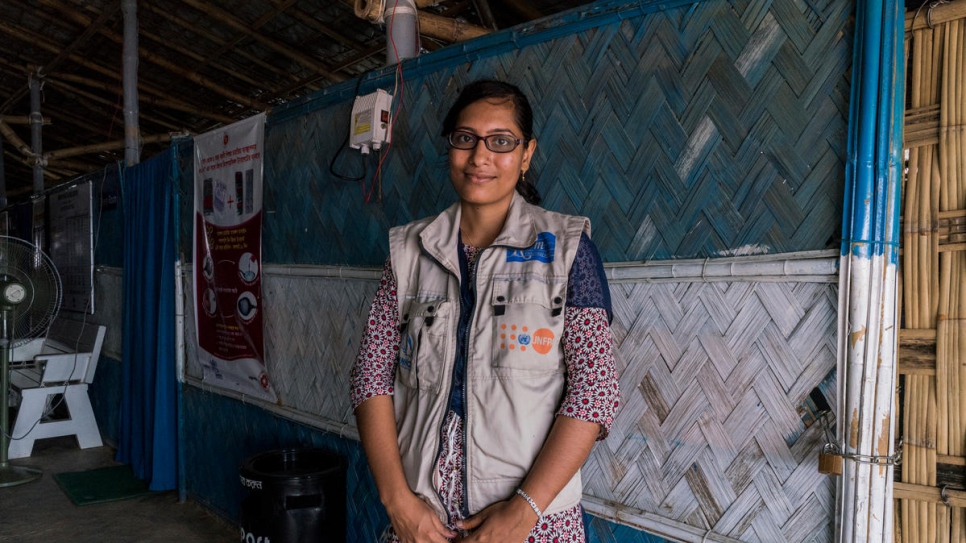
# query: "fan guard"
[30,292]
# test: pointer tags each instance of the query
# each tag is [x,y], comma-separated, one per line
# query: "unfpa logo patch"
[519,338]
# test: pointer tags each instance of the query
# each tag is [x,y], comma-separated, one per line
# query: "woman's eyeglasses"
[498,143]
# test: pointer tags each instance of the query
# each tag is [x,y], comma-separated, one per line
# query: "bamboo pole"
[14,139]
[103,101]
[151,100]
[66,52]
[224,17]
[935,16]
[445,28]
[20,119]
[98,147]
[208,35]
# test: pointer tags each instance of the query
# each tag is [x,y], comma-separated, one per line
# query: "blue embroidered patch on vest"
[542,250]
[406,352]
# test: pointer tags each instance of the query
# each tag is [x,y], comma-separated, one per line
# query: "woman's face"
[480,176]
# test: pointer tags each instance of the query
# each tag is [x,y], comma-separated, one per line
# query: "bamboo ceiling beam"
[308,20]
[66,52]
[20,119]
[42,43]
[176,105]
[158,60]
[926,16]
[307,82]
[108,103]
[437,26]
[187,25]
[108,146]
[203,60]
[81,124]
[524,9]
[486,14]
[12,137]
[227,19]
[27,162]
[232,44]
[76,165]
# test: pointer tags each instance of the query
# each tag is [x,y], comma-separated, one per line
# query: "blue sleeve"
[587,284]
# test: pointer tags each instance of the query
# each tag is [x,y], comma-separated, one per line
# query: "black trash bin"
[294,496]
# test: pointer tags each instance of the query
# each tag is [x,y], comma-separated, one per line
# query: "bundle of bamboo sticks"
[933,267]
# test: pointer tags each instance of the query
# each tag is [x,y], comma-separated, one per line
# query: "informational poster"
[228,257]
[71,245]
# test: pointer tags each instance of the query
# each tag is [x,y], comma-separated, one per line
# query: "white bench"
[62,363]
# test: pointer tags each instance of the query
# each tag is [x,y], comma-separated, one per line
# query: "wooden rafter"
[303,59]
[321,28]
[191,27]
[162,62]
[232,45]
[106,146]
[104,102]
[150,97]
[65,53]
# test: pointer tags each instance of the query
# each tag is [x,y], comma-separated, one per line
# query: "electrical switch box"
[371,123]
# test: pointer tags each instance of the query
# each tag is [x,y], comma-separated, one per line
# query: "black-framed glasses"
[498,143]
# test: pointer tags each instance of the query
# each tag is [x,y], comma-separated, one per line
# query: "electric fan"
[29,299]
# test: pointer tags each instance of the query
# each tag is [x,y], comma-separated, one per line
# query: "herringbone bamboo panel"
[711,130]
[711,434]
[714,378]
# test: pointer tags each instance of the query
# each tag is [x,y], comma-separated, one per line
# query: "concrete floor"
[39,511]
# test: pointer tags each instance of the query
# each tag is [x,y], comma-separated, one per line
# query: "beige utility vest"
[515,370]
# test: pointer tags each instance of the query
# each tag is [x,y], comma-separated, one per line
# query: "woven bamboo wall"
[710,130]
[933,335]
[714,434]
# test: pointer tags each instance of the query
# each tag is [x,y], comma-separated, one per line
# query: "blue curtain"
[147,437]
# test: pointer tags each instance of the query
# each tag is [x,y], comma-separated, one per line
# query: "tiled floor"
[39,511]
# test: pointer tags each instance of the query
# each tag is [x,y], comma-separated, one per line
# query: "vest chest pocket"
[423,344]
[528,325]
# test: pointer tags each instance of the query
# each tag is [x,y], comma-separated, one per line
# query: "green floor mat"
[101,485]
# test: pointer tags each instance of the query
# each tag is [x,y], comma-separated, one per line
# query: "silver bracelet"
[533,504]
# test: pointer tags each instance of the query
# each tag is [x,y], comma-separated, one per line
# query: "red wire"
[401,86]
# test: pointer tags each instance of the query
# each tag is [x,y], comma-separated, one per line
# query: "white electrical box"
[371,125]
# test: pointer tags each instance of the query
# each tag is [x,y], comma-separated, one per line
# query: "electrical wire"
[399,86]
[342,147]
[61,397]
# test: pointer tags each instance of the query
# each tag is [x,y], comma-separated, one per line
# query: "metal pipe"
[868,276]
[36,138]
[132,131]
[402,31]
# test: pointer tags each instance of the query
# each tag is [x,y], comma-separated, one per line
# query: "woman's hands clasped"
[415,521]
[507,521]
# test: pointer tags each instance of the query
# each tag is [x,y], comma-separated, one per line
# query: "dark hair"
[484,89]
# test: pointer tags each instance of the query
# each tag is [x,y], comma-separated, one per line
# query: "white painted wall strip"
[340,429]
[802,267]
[664,527]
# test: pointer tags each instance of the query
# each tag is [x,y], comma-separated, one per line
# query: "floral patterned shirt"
[592,391]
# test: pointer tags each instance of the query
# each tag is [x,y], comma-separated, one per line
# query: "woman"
[486,374]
